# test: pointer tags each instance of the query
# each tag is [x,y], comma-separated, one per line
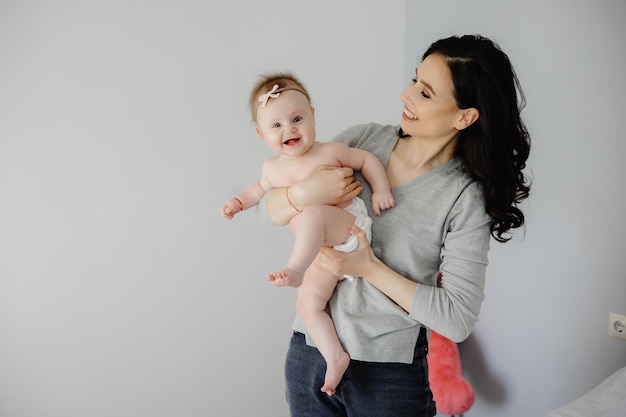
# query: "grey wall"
[123,126]
[542,339]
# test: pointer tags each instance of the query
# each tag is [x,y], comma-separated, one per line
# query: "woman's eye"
[425,95]
[413,80]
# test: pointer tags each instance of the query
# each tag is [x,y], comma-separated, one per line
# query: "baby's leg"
[315,227]
[313,295]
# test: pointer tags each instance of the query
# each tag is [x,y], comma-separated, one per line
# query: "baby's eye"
[276,125]
[297,119]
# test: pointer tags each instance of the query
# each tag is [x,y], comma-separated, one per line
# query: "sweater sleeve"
[452,310]
[355,136]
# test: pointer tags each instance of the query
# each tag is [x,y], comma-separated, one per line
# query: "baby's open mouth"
[290,142]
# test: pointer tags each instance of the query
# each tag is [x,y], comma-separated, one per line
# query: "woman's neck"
[412,157]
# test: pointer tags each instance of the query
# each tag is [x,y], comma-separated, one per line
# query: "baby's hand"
[230,208]
[382,200]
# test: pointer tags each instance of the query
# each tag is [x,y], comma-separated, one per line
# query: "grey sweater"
[439,224]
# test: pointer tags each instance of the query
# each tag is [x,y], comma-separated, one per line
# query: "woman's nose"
[403,95]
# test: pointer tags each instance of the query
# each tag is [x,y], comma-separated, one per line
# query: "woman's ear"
[468,117]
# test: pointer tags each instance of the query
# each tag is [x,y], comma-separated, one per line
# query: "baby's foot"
[287,277]
[335,369]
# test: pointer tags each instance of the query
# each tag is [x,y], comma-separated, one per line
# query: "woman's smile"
[407,115]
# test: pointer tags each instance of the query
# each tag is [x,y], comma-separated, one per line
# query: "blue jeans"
[368,389]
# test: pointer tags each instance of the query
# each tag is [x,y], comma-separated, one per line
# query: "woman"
[455,164]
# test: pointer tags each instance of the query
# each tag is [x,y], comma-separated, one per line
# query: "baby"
[285,120]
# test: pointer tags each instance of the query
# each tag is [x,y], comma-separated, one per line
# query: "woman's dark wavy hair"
[495,147]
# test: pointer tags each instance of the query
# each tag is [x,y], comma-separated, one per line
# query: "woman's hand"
[361,262]
[326,185]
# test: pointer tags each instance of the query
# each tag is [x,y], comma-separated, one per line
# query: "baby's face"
[287,124]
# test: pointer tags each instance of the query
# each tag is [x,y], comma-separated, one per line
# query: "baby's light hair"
[284,80]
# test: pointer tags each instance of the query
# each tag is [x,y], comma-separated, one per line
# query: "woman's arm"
[451,310]
[363,263]
[326,185]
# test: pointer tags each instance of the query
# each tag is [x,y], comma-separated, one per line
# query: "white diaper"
[362,221]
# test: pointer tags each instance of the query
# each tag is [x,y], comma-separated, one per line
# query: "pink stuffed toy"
[452,393]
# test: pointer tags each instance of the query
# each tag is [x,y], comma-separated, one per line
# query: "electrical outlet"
[617,325]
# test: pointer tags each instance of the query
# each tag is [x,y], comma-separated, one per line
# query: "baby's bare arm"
[373,171]
[249,198]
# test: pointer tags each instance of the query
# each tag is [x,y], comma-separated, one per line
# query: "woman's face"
[430,109]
